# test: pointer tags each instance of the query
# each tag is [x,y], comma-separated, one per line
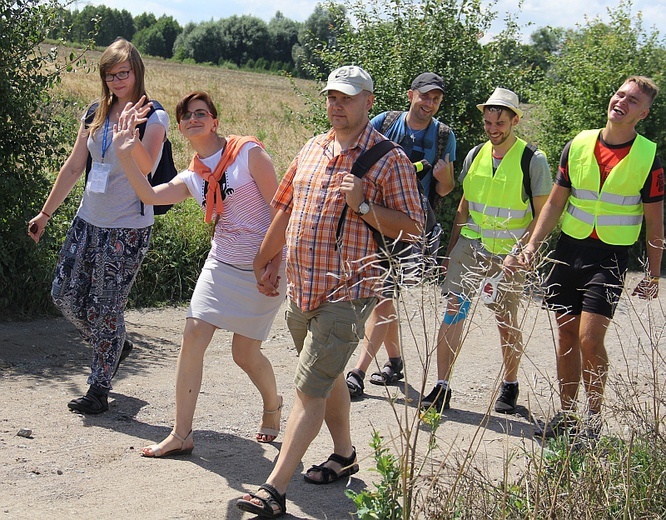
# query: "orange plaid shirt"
[317,270]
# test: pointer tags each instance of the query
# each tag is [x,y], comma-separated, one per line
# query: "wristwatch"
[363,208]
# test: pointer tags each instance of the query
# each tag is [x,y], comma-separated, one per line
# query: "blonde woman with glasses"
[110,234]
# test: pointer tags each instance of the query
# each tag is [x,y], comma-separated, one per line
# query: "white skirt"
[226,296]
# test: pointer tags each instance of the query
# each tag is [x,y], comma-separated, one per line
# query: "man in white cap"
[422,137]
[505,184]
[331,284]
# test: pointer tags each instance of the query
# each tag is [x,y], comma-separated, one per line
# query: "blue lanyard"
[105,143]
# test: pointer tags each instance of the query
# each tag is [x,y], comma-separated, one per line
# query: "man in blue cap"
[422,137]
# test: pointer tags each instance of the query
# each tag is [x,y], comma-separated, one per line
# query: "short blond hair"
[646,85]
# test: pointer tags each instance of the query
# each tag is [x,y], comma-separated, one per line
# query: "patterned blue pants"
[95,272]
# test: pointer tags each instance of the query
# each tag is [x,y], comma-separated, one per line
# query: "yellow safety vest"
[500,215]
[616,210]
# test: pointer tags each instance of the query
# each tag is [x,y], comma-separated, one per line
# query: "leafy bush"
[32,130]
[591,66]
[383,503]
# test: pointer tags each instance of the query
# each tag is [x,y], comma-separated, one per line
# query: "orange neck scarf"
[214,193]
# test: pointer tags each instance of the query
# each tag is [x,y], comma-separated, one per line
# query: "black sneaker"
[95,401]
[592,428]
[439,398]
[128,346]
[564,423]
[506,402]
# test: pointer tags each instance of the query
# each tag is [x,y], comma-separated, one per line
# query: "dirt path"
[75,466]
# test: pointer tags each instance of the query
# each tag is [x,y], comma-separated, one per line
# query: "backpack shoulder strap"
[142,127]
[87,121]
[525,161]
[475,151]
[391,117]
[443,132]
[90,113]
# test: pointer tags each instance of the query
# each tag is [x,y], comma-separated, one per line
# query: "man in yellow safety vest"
[608,181]
[505,184]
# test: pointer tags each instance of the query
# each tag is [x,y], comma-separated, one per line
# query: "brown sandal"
[263,433]
[155,451]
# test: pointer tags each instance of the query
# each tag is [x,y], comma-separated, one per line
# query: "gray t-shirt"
[118,206]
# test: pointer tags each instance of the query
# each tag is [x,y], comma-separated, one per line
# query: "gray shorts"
[470,264]
[325,339]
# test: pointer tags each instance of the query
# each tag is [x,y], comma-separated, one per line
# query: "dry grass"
[262,105]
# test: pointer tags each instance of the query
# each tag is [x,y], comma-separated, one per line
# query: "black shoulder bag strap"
[361,166]
[525,161]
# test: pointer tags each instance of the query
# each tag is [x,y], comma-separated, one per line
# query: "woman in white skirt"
[233,180]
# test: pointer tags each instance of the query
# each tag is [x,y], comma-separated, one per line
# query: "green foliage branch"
[32,133]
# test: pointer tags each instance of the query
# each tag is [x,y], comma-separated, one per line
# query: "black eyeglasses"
[123,74]
[197,114]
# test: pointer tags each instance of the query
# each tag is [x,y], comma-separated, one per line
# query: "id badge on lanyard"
[98,178]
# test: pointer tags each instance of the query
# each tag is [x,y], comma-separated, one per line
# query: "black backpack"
[165,170]
[443,132]
[413,261]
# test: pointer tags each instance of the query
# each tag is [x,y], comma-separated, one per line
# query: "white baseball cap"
[350,80]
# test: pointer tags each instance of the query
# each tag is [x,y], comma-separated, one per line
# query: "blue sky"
[562,13]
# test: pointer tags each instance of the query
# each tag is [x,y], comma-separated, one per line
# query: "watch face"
[364,208]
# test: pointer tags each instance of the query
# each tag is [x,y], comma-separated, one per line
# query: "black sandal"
[389,374]
[355,384]
[265,510]
[349,467]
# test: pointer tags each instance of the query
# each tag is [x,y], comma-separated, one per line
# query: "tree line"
[246,41]
[242,41]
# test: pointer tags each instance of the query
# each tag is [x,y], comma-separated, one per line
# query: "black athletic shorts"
[588,276]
